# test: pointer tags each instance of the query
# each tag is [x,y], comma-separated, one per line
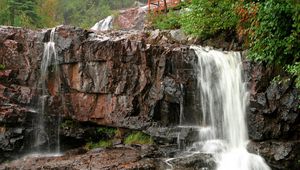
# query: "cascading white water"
[103,25]
[49,64]
[224,98]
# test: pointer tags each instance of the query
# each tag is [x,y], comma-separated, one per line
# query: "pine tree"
[20,9]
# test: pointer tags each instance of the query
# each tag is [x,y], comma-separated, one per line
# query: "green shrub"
[205,18]
[166,21]
[295,70]
[138,138]
[276,35]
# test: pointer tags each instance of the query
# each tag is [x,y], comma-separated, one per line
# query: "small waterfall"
[103,25]
[49,65]
[224,98]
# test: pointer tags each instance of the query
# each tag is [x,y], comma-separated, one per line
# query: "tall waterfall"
[49,65]
[224,97]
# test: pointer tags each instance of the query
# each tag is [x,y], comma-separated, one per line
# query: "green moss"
[2,67]
[138,138]
[100,144]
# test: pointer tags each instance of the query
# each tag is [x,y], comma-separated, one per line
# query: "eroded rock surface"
[273,117]
[132,80]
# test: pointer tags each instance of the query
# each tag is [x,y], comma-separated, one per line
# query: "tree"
[48,12]
[22,12]
[276,35]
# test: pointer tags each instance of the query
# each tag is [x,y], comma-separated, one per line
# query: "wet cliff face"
[273,117]
[117,79]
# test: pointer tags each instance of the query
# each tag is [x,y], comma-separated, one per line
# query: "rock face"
[113,81]
[273,117]
[130,81]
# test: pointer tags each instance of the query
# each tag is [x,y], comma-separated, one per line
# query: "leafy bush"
[294,69]
[246,12]
[166,21]
[138,138]
[276,35]
[208,17]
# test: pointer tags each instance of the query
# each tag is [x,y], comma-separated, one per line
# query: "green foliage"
[208,17]
[100,144]
[294,69]
[49,13]
[2,67]
[83,13]
[4,13]
[22,12]
[166,21]
[106,134]
[138,138]
[276,35]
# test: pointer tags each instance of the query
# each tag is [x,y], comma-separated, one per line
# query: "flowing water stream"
[223,94]
[49,66]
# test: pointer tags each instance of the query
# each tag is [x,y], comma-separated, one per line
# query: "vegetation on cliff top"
[270,29]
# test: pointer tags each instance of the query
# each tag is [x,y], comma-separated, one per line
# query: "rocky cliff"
[131,80]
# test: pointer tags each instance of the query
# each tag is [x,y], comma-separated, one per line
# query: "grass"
[2,67]
[138,138]
[100,144]
[108,131]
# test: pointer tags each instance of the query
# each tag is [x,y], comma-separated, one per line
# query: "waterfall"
[224,98]
[49,65]
[103,25]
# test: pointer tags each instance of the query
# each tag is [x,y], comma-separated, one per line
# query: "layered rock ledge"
[133,80]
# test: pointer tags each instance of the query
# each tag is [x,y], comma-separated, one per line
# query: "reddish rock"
[121,81]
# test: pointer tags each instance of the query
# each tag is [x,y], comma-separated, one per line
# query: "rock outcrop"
[130,80]
[273,116]
[118,81]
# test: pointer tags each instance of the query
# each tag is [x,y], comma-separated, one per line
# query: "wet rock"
[135,80]
[199,161]
[178,36]
[278,154]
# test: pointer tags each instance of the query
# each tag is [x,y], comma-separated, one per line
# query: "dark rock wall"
[273,116]
[121,81]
